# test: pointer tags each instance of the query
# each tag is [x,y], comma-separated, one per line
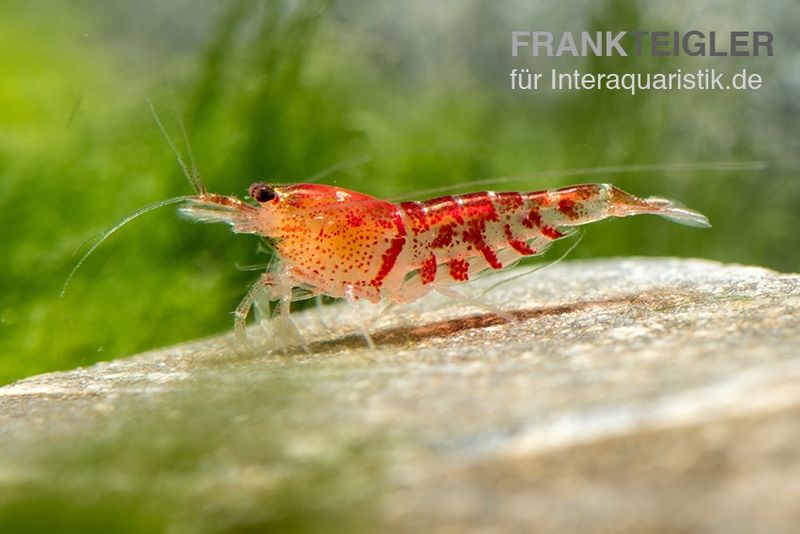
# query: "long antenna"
[105,235]
[191,174]
[614,169]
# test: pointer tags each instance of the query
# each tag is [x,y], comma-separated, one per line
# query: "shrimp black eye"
[261,192]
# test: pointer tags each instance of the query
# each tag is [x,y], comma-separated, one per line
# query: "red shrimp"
[344,244]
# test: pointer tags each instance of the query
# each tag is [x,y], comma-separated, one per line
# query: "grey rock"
[633,394]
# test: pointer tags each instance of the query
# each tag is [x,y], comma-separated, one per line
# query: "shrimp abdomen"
[457,238]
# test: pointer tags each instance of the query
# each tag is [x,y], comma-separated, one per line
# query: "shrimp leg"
[353,301]
[283,327]
[243,309]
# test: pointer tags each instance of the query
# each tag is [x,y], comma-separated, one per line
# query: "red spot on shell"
[508,202]
[447,205]
[459,270]
[478,206]
[582,192]
[388,260]
[389,257]
[474,235]
[567,207]
[520,246]
[444,238]
[550,232]
[427,271]
[533,219]
[354,219]
[416,214]
[491,257]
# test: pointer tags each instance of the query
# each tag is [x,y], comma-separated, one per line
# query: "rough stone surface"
[631,394]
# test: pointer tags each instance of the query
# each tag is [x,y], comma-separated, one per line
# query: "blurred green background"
[400,96]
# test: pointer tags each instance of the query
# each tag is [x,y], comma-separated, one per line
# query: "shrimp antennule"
[191,173]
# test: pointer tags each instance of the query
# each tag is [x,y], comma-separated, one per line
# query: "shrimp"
[331,241]
[344,244]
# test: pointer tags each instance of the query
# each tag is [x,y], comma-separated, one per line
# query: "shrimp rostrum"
[340,243]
